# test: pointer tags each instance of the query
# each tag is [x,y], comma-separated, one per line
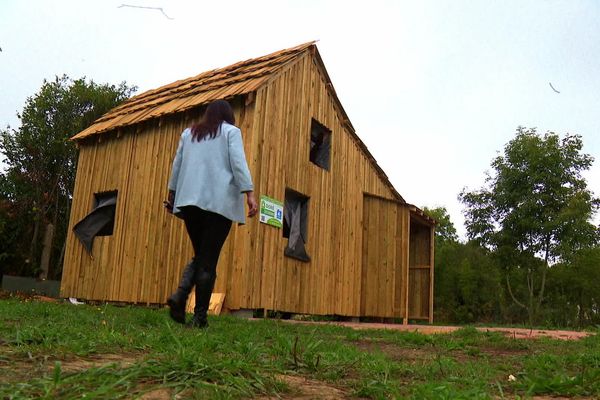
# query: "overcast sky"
[435,89]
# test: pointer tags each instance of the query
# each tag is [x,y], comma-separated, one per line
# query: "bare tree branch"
[147,8]
[512,295]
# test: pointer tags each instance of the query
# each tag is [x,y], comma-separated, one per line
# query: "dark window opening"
[100,221]
[295,224]
[320,144]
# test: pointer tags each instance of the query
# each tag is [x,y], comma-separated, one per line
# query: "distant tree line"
[532,254]
[38,172]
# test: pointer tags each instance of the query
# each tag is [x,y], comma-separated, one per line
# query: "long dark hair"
[216,112]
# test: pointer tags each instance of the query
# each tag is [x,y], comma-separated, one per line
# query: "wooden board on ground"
[215,306]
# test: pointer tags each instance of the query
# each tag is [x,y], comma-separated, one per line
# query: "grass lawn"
[63,351]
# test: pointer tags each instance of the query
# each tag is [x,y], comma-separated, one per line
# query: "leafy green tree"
[534,211]
[445,232]
[574,290]
[40,160]
[467,281]
[467,284]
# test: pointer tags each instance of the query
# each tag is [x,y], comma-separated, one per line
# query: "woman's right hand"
[252,205]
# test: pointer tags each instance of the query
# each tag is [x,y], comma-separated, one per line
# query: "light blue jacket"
[212,174]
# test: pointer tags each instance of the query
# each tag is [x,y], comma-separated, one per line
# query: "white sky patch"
[435,89]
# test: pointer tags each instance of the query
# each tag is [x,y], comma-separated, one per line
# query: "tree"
[466,277]
[40,160]
[467,284]
[575,290]
[445,232]
[534,211]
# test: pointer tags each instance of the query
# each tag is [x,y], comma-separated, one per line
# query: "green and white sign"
[271,211]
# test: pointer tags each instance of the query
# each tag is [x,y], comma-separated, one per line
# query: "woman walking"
[208,181]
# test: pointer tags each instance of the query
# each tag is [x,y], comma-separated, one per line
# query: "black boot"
[205,282]
[178,300]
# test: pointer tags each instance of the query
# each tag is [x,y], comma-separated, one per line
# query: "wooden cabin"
[367,252]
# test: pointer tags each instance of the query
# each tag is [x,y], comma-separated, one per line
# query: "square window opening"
[106,199]
[320,144]
[295,225]
[100,221]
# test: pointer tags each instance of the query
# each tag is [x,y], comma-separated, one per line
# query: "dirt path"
[518,333]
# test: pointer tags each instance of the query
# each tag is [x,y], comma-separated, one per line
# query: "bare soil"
[300,389]
[309,389]
[17,367]
[99,360]
[517,333]
[394,352]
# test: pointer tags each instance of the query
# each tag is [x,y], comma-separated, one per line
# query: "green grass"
[59,351]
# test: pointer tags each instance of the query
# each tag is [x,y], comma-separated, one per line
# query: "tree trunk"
[47,249]
[34,239]
[61,258]
[59,264]
[55,223]
[529,307]
[581,308]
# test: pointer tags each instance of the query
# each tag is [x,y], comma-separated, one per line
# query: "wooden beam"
[406,253]
[431,272]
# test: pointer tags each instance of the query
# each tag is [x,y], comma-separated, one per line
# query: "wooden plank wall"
[420,262]
[384,258]
[142,261]
[330,282]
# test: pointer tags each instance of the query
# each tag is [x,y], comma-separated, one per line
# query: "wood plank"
[431,271]
[406,262]
[365,260]
[215,304]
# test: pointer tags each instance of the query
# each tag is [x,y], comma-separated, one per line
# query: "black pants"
[207,231]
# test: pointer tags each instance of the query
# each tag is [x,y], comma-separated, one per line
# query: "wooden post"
[431,272]
[407,262]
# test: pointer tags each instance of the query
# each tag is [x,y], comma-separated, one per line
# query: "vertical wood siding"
[143,259]
[384,258]
[331,282]
[421,269]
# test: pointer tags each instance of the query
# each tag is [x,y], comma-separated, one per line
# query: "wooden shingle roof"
[239,78]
